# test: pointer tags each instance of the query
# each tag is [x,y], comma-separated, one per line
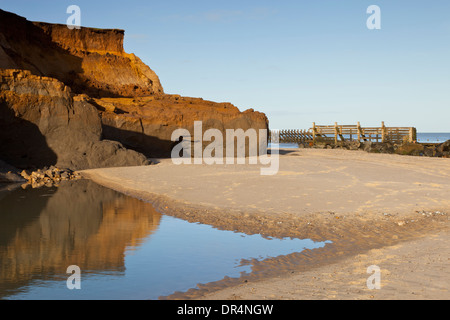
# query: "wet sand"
[418,269]
[377,209]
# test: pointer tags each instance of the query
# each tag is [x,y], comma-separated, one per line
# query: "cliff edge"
[90,61]
[76,98]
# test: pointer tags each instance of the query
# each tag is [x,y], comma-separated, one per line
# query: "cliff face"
[42,124]
[90,61]
[146,124]
[63,91]
[101,41]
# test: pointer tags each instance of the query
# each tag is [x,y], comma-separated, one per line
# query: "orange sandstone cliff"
[90,61]
[59,82]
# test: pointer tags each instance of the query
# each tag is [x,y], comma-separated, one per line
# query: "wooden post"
[383,132]
[336,133]
[359,131]
[314,132]
[412,135]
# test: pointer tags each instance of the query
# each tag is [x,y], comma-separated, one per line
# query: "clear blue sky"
[297,61]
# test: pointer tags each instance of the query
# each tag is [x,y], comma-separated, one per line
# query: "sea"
[430,137]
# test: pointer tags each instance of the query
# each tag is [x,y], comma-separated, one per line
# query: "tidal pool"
[124,248]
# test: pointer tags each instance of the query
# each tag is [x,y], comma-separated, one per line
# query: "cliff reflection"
[43,231]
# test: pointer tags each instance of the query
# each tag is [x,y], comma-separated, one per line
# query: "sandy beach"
[376,209]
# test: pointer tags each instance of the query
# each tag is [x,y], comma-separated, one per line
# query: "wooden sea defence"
[291,136]
[335,133]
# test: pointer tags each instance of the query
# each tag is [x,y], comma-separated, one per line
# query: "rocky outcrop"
[76,99]
[48,177]
[43,125]
[146,124]
[88,60]
[444,148]
[411,149]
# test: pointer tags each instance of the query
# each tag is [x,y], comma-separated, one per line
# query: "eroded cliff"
[80,85]
[89,60]
[43,124]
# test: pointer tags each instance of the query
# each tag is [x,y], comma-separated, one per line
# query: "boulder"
[350,145]
[411,149]
[385,147]
[43,125]
[429,152]
[367,146]
[444,147]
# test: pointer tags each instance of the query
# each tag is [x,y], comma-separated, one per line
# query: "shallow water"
[124,248]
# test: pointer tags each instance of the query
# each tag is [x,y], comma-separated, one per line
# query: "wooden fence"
[338,132]
[291,136]
[335,133]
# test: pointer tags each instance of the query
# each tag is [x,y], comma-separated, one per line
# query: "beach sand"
[386,210]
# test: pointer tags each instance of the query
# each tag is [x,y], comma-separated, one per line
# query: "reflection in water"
[124,248]
[43,231]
